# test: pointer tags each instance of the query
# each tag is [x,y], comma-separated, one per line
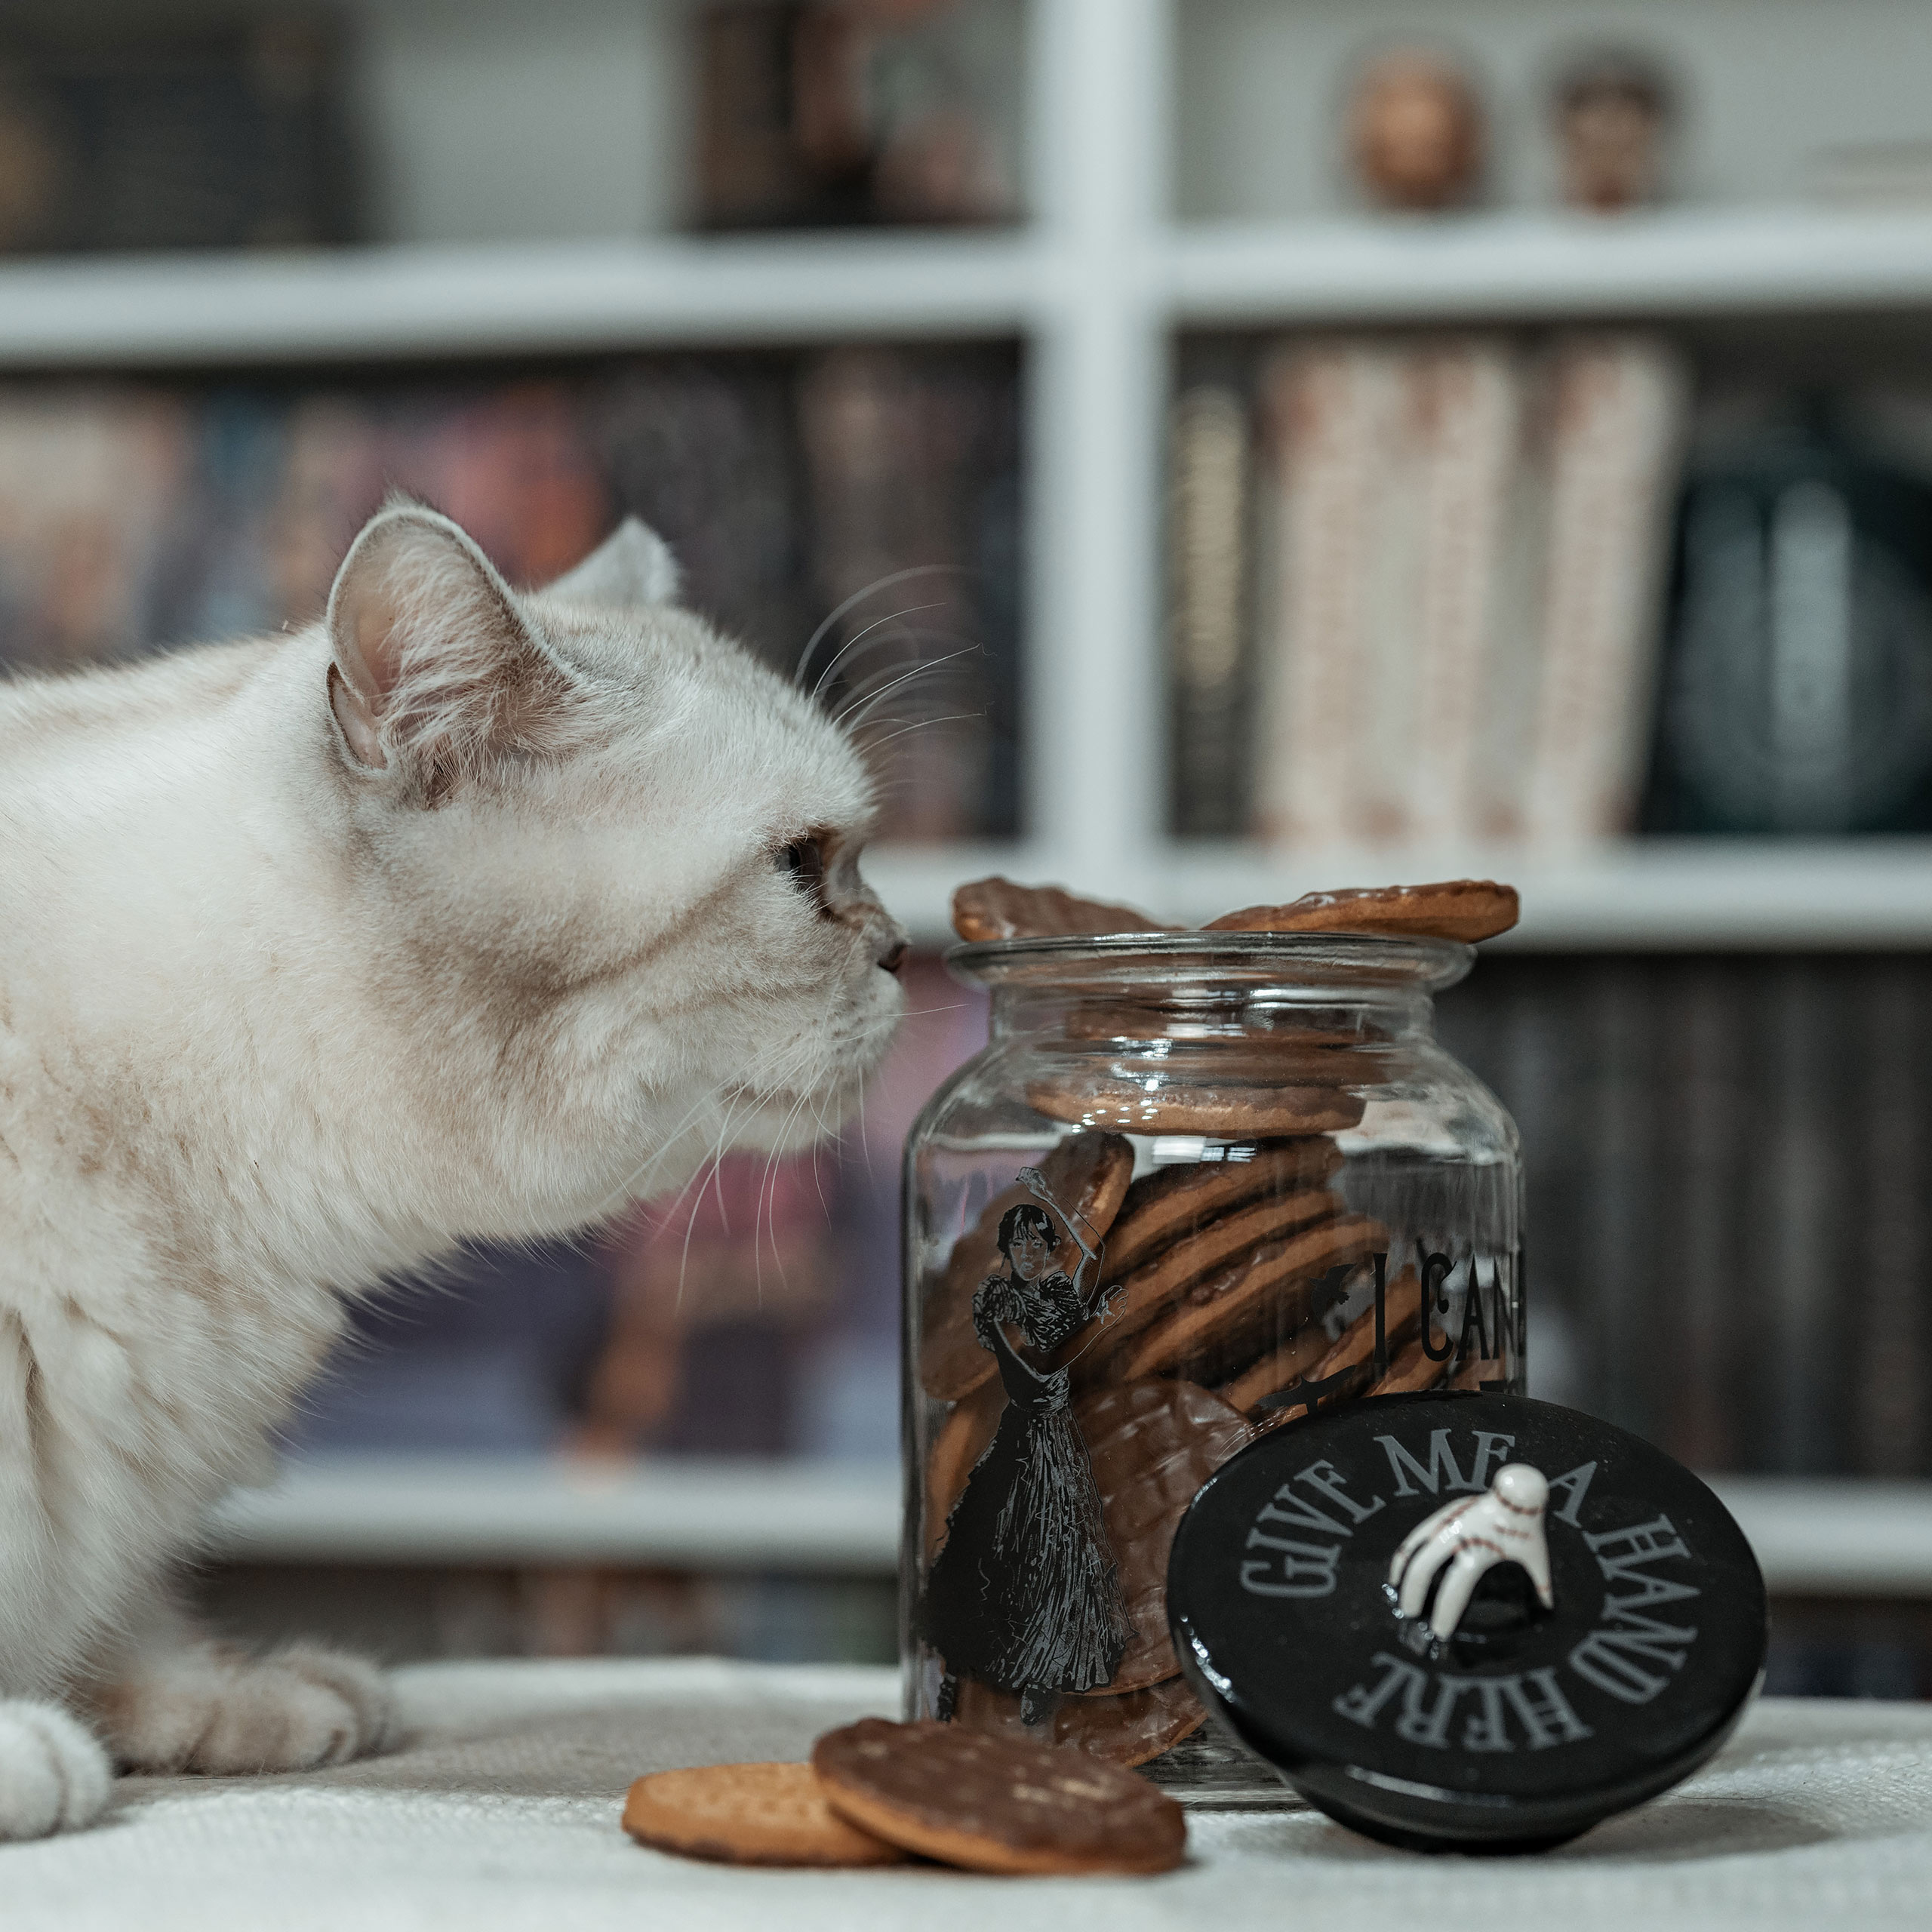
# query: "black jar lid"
[1525,1725]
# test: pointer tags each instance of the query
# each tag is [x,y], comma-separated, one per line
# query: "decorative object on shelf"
[1417,134]
[147,138]
[1612,112]
[842,113]
[1798,691]
[1602,1649]
[1168,1208]
[1454,629]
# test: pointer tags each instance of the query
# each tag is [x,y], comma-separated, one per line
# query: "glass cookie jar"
[1196,1185]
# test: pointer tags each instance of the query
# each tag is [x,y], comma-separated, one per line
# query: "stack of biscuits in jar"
[1240,1289]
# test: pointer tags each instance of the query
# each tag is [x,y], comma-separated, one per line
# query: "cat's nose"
[895,957]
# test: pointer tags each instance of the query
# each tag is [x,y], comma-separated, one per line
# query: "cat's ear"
[632,565]
[435,666]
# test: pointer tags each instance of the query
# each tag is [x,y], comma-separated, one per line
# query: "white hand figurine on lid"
[1502,1525]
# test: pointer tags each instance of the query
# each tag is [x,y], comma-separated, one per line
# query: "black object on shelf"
[1797,693]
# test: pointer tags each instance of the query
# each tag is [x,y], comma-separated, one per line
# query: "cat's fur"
[460,913]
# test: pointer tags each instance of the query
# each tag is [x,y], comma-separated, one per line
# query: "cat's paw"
[54,1777]
[211,1709]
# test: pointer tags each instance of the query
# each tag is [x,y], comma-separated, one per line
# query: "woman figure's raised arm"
[1072,1221]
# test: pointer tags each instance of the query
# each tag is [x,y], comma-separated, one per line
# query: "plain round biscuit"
[750,1814]
[993,1804]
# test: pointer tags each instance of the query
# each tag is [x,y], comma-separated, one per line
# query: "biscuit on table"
[993,1804]
[1467,909]
[750,1814]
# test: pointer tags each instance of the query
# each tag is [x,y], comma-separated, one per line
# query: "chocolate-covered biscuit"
[1411,1371]
[1222,1322]
[1280,1368]
[1173,1203]
[993,908]
[1087,1173]
[1468,909]
[1155,1105]
[964,1794]
[1127,1728]
[1151,1445]
[1151,1291]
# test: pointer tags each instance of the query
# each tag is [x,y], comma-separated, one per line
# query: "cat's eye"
[803,862]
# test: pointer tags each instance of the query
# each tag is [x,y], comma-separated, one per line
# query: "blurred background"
[1342,440]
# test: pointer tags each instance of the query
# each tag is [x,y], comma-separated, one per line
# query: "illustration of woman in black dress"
[1025,1594]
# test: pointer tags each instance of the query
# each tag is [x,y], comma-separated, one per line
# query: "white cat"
[461,913]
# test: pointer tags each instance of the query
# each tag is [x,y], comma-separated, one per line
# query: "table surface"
[500,1809]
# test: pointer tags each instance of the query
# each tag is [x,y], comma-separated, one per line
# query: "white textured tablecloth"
[501,1808]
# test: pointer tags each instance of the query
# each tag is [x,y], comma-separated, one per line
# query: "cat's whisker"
[863,687]
[860,707]
[920,724]
[852,643]
[859,597]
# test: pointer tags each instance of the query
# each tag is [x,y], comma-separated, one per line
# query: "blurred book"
[1727,1185]
[1208,567]
[1617,410]
[140,514]
[1460,547]
[842,113]
[131,137]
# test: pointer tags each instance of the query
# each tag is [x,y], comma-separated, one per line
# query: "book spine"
[1207,626]
[1468,394]
[1320,410]
[1617,406]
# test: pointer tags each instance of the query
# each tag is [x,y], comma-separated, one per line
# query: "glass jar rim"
[1366,965]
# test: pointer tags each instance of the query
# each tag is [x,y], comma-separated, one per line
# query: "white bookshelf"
[1096,286]
[509,298]
[1816,1537]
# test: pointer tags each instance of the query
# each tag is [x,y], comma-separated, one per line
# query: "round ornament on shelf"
[1416,130]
